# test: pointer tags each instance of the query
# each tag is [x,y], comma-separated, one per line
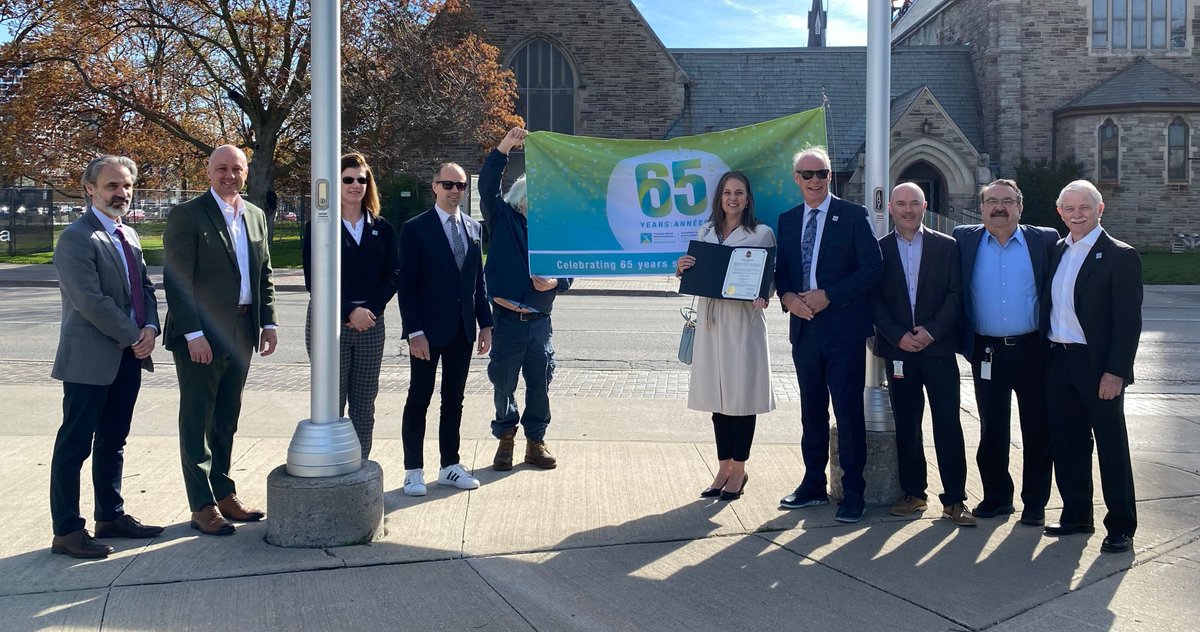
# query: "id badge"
[985,367]
[898,369]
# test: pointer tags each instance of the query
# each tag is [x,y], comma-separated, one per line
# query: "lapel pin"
[1099,255]
[375,232]
[835,217]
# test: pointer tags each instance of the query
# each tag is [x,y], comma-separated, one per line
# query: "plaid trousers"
[360,356]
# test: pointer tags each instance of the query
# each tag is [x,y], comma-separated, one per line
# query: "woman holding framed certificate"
[731,364]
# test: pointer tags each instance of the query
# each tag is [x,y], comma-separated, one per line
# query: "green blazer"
[201,276]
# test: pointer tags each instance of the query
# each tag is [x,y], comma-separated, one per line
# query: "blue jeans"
[521,347]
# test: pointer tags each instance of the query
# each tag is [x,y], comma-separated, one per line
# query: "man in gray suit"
[109,323]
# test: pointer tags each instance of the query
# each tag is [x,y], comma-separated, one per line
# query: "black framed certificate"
[734,272]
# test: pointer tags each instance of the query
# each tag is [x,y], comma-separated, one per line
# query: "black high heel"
[711,492]
[727,496]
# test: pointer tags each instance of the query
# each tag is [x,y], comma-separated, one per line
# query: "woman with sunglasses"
[731,365]
[370,277]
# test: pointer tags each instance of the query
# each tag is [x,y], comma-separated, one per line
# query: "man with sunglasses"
[827,264]
[521,305]
[1005,272]
[442,299]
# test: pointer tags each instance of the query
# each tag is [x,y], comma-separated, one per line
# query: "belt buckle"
[524,316]
[1011,341]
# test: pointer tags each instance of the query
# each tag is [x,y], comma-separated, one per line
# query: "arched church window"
[545,86]
[1110,146]
[1177,151]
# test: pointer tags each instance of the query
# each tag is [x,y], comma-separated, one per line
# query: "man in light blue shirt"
[1005,272]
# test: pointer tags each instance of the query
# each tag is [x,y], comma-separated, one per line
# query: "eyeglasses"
[807,174]
[349,180]
[994,202]
[450,184]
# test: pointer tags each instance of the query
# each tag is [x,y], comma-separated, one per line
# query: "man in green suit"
[220,307]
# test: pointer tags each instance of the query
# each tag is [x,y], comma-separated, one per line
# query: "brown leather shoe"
[958,514]
[209,521]
[908,505]
[538,456]
[81,545]
[233,508]
[502,462]
[126,526]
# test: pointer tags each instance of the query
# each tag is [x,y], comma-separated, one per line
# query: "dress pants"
[360,357]
[521,347]
[210,403]
[456,362]
[1077,414]
[832,368]
[1019,368]
[96,421]
[937,376]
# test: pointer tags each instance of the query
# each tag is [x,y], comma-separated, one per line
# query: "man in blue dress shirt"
[1005,271]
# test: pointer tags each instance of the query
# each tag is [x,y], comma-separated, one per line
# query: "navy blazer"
[435,296]
[848,267]
[1108,304]
[939,297]
[1040,242]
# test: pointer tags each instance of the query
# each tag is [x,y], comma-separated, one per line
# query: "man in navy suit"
[1005,270]
[442,299]
[109,325]
[917,310]
[827,264]
[1095,322]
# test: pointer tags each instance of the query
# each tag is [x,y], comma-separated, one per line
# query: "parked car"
[135,215]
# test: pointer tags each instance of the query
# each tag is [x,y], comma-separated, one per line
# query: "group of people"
[1055,321]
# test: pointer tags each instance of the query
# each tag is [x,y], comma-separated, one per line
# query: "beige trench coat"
[731,364]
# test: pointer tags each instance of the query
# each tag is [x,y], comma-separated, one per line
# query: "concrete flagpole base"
[329,511]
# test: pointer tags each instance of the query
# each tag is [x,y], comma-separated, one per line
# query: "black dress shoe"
[1068,528]
[988,509]
[1116,543]
[126,526]
[1033,517]
[728,496]
[81,545]
[711,492]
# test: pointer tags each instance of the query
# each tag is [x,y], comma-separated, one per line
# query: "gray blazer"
[96,327]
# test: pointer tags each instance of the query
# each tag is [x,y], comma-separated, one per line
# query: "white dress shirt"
[822,214]
[355,228]
[1064,323]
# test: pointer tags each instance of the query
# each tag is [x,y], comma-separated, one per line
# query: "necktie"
[456,242]
[135,281]
[806,249]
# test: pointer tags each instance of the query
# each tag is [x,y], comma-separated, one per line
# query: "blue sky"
[751,23]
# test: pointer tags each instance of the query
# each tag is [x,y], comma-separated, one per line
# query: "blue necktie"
[806,249]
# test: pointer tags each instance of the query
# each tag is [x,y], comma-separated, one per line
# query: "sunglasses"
[807,174]
[450,184]
[349,180]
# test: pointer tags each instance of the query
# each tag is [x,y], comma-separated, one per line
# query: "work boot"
[538,456]
[502,462]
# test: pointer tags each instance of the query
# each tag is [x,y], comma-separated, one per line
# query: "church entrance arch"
[931,181]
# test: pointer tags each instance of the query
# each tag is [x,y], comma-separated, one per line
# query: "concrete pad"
[432,596]
[1160,433]
[1159,595]
[601,493]
[684,586]
[71,610]
[978,577]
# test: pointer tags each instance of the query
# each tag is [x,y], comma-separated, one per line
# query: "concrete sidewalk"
[614,539]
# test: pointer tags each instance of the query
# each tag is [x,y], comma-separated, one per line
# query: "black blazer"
[1040,242]
[1108,303]
[435,296]
[370,268]
[939,297]
[848,267]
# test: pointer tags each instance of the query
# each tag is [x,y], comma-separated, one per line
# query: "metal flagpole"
[326,444]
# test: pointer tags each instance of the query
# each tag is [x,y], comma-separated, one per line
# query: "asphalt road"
[619,332]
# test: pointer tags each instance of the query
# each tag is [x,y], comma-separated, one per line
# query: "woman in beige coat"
[731,367]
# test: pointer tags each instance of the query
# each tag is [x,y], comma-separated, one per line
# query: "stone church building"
[976,86]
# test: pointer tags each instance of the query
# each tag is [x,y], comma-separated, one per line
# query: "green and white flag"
[600,207]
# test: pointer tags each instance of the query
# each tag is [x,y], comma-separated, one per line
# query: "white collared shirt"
[823,213]
[356,228]
[462,228]
[1064,322]
[236,224]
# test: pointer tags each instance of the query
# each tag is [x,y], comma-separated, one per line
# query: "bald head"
[227,169]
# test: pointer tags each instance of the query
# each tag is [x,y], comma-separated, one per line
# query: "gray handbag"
[688,338]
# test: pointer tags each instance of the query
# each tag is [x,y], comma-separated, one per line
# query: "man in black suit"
[109,323]
[917,308]
[1095,318]
[442,299]
[827,264]
[1005,270]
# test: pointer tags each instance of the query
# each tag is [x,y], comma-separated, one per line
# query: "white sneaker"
[414,482]
[457,476]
